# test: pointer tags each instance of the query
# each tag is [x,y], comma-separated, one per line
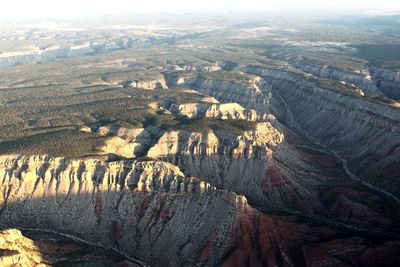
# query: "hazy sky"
[17,9]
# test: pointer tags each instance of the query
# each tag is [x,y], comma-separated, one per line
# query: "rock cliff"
[17,250]
[150,210]
[323,113]
[218,111]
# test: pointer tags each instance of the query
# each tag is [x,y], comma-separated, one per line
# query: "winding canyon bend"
[231,143]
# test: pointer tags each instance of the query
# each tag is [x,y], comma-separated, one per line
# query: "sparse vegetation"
[52,100]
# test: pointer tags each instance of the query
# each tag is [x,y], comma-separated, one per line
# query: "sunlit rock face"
[226,111]
[199,141]
[35,247]
[17,250]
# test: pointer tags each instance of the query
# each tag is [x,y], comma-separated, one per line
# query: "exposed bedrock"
[341,122]
[188,205]
[44,248]
[361,80]
[237,163]
[387,81]
[219,111]
[276,176]
[146,208]
[128,142]
[153,211]
[335,123]
[169,221]
[373,81]
[248,94]
[209,154]
[17,250]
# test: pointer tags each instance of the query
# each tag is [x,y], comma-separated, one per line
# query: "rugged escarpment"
[273,173]
[219,111]
[128,142]
[225,143]
[254,164]
[247,93]
[163,210]
[373,80]
[219,156]
[362,79]
[314,107]
[152,84]
[387,81]
[149,210]
[116,204]
[43,175]
[132,142]
[305,105]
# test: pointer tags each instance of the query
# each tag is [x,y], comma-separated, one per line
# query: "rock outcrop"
[357,119]
[40,248]
[256,155]
[387,81]
[218,111]
[360,79]
[305,105]
[116,204]
[17,250]
[247,94]
[150,85]
[128,142]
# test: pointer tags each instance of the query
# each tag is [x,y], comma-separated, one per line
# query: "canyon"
[189,149]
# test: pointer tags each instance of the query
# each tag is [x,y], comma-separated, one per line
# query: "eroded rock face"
[361,79]
[218,111]
[387,81]
[247,94]
[115,203]
[153,211]
[255,157]
[322,113]
[255,143]
[17,250]
[305,106]
[253,164]
[163,207]
[43,175]
[150,85]
[173,228]
[40,248]
[127,142]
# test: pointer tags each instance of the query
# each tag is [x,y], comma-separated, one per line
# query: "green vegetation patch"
[65,143]
[236,127]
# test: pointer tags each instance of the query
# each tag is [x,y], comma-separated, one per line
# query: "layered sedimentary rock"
[151,211]
[387,81]
[217,111]
[246,94]
[132,205]
[254,164]
[306,106]
[361,79]
[329,112]
[128,142]
[163,206]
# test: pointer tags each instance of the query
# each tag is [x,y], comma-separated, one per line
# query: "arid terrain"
[200,141]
